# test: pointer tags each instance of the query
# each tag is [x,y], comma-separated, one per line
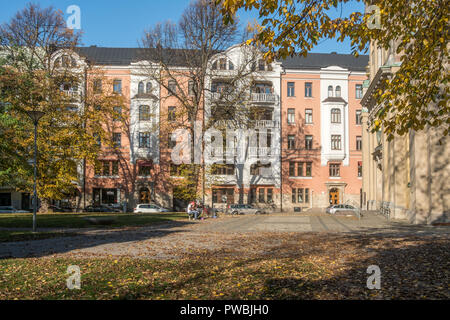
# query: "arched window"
[214,65]
[335,115]
[141,87]
[338,91]
[148,89]
[330,91]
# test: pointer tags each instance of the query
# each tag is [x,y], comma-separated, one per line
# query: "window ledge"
[335,178]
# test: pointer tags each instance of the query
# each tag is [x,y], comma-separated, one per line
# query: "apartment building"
[292,142]
[321,130]
[409,176]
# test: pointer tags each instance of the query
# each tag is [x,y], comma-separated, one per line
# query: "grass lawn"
[127,278]
[75,220]
[13,236]
[300,267]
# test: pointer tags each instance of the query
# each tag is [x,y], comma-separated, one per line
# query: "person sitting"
[192,211]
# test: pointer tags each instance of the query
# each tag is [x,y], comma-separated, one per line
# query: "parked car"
[149,208]
[243,209]
[10,209]
[345,208]
[100,208]
[59,209]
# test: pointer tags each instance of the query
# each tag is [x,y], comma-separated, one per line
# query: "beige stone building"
[408,177]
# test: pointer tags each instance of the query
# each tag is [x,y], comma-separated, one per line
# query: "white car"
[149,208]
[342,208]
[9,209]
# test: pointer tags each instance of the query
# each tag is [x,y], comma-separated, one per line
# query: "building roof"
[323,60]
[178,57]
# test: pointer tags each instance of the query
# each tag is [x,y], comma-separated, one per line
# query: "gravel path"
[168,240]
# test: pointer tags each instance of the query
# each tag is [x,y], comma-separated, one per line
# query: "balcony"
[256,152]
[264,98]
[258,124]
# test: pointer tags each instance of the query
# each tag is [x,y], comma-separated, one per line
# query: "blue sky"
[112,23]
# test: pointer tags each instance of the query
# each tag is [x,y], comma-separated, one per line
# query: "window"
[191,90]
[144,170]
[214,65]
[230,65]
[291,89]
[117,116]
[115,168]
[291,116]
[308,142]
[308,116]
[97,86]
[117,140]
[292,169]
[148,88]
[304,169]
[335,115]
[106,169]
[358,117]
[308,171]
[335,170]
[171,143]
[261,65]
[359,169]
[223,64]
[358,91]
[359,143]
[171,115]
[223,195]
[330,91]
[300,195]
[256,169]
[338,91]
[335,142]
[144,113]
[144,140]
[98,139]
[269,195]
[261,195]
[308,89]
[291,142]
[223,169]
[141,88]
[117,86]
[172,87]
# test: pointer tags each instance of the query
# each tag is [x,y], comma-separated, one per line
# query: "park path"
[168,240]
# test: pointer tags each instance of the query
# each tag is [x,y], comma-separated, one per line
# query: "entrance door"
[334,196]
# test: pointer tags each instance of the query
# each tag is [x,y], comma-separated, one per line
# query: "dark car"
[59,209]
[101,208]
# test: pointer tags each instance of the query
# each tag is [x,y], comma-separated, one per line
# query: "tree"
[417,29]
[181,57]
[41,72]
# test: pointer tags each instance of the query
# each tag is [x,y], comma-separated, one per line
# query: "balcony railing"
[264,97]
[266,124]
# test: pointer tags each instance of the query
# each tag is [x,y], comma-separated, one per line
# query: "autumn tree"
[418,30]
[40,71]
[181,57]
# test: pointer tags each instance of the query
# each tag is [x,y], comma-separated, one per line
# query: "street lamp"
[35,116]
